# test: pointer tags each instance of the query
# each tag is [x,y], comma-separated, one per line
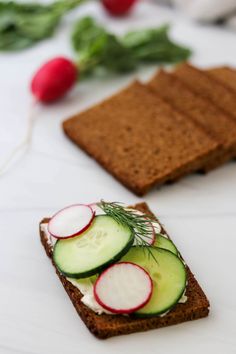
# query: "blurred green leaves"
[24,24]
[96,48]
[154,46]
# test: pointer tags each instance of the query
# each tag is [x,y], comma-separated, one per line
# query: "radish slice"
[96,209]
[71,221]
[150,237]
[123,288]
[157,227]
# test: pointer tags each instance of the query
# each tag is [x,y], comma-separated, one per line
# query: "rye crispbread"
[208,87]
[225,75]
[105,326]
[140,139]
[215,121]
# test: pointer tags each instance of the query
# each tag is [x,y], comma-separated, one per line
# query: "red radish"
[71,221]
[54,79]
[124,288]
[118,7]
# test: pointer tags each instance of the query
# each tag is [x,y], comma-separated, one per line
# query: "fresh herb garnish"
[96,48]
[139,223]
[24,24]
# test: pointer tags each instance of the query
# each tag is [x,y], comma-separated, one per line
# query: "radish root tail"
[25,144]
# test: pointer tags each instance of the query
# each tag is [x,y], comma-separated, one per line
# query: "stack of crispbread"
[146,135]
[177,90]
[206,85]
[225,75]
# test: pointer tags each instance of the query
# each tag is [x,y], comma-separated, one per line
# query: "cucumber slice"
[168,276]
[167,244]
[105,242]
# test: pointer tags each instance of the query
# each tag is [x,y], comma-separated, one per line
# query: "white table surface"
[36,316]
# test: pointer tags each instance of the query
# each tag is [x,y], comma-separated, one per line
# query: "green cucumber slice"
[168,275]
[167,244]
[105,242]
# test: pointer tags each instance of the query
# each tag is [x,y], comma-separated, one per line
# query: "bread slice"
[140,139]
[104,326]
[216,122]
[225,75]
[208,87]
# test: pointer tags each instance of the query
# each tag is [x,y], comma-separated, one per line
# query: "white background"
[199,212]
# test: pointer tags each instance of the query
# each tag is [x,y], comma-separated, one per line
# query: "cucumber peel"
[166,243]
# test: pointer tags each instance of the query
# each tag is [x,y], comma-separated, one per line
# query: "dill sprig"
[140,223]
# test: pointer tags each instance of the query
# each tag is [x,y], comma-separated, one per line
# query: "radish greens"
[24,24]
[98,49]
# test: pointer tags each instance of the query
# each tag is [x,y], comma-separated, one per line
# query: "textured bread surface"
[215,121]
[104,326]
[225,75]
[207,86]
[140,139]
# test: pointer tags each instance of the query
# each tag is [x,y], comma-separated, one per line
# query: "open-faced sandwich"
[120,269]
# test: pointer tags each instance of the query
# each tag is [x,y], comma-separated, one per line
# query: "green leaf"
[24,24]
[38,27]
[140,38]
[97,48]
[85,32]
[154,45]
[14,42]
[116,57]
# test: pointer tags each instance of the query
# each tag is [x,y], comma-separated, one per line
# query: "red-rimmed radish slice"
[152,237]
[149,238]
[157,227]
[124,288]
[71,221]
[96,209]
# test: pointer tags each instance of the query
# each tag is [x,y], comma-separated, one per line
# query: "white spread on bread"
[50,240]
[183,298]
[85,286]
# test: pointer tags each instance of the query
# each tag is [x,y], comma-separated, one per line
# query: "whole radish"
[118,7]
[54,79]
[51,82]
